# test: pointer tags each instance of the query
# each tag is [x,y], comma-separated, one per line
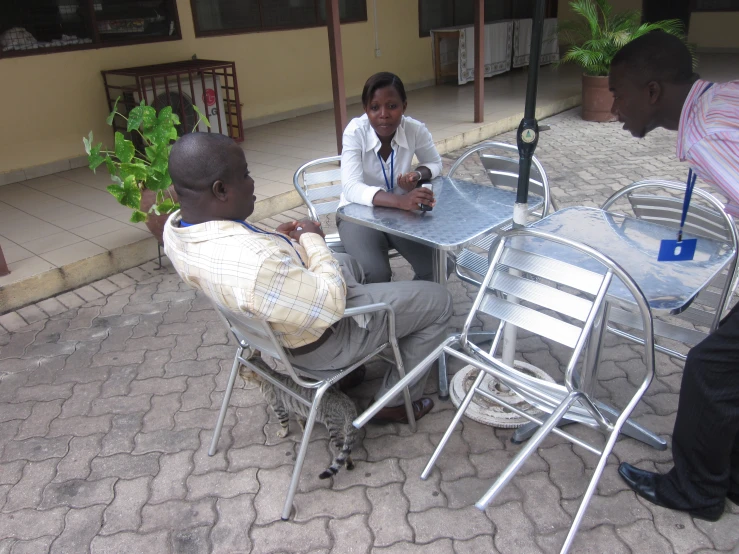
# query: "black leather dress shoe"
[644,483]
[396,414]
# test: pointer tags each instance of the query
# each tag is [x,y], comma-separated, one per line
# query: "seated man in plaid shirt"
[289,277]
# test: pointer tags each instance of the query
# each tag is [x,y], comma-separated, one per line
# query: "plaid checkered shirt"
[261,275]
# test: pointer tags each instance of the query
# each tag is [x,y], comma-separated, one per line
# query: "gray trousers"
[422,313]
[370,247]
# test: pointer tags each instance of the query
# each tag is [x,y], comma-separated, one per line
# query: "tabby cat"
[336,412]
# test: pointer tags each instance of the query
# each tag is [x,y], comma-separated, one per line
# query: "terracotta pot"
[155,223]
[597,100]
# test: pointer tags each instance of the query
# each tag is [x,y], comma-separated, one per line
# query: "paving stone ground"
[109,395]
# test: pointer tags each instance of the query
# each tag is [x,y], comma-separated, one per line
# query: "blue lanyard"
[183,223]
[389,185]
[686,202]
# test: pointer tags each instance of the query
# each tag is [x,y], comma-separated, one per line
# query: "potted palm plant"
[140,170]
[594,39]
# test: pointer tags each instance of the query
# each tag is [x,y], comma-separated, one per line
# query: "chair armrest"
[371,308]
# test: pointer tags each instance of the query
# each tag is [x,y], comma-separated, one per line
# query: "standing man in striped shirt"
[653,85]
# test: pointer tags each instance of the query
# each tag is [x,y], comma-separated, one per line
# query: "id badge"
[680,250]
[677,251]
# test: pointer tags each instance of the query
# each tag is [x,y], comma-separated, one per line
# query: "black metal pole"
[528,130]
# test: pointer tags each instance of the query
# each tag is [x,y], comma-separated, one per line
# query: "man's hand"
[287,228]
[408,180]
[415,197]
[306,226]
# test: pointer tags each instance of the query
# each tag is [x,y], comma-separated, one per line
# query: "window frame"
[229,32]
[550,10]
[695,9]
[96,44]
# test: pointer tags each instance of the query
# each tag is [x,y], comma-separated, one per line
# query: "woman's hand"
[408,180]
[411,201]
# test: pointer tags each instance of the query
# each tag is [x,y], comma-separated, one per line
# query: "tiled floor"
[56,220]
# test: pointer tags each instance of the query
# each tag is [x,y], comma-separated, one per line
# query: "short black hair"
[382,80]
[657,56]
[197,160]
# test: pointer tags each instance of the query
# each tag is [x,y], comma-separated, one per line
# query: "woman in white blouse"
[378,149]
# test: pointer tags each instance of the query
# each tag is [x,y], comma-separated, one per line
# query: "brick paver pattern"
[109,395]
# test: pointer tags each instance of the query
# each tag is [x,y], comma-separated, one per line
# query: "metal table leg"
[440,269]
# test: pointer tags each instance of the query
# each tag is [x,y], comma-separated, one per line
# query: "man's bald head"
[197,160]
[210,177]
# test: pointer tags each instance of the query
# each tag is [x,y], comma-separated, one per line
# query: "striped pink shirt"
[708,137]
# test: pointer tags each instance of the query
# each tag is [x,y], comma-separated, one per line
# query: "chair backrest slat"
[500,161]
[319,193]
[667,211]
[507,164]
[532,320]
[542,295]
[553,270]
[709,298]
[510,180]
[326,207]
[719,281]
[319,180]
[320,177]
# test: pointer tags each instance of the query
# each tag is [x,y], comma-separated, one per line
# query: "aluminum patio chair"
[522,289]
[500,163]
[661,202]
[255,335]
[318,183]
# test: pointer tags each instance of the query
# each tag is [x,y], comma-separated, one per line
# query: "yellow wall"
[50,101]
[714,30]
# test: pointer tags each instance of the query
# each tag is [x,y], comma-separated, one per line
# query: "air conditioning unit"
[202,90]
[209,85]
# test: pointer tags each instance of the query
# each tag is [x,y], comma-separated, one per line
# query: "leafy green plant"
[600,33]
[132,170]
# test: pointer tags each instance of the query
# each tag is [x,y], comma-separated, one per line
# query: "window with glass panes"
[220,17]
[44,26]
[437,14]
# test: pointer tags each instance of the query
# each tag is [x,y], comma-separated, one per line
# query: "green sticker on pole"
[528,135]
